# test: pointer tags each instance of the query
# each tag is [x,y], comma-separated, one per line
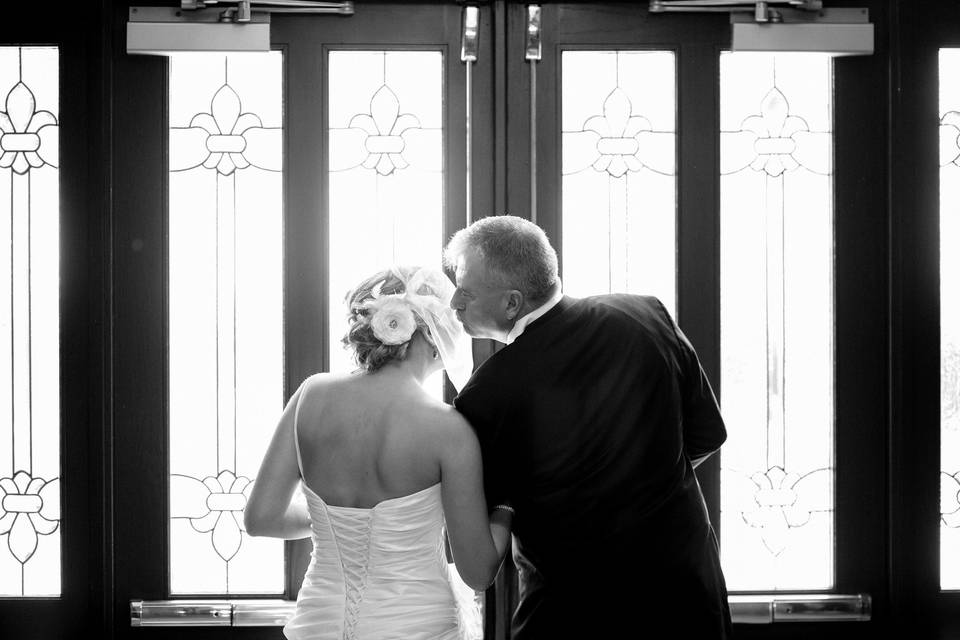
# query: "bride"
[384,467]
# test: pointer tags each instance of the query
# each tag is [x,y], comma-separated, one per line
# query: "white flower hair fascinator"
[427,294]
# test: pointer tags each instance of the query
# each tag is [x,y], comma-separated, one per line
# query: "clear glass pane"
[949,319]
[619,182]
[386,173]
[776,295]
[29,322]
[226,314]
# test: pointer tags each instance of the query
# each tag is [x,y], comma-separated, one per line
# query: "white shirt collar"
[522,323]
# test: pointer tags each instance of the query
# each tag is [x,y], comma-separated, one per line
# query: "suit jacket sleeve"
[703,427]
[483,415]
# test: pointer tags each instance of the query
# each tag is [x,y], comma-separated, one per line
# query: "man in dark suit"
[590,420]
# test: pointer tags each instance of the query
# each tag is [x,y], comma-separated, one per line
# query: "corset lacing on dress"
[353,546]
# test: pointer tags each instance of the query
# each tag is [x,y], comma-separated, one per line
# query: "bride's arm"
[271,510]
[478,541]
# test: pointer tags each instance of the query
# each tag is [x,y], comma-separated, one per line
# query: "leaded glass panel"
[29,322]
[776,294]
[950,318]
[619,177]
[385,172]
[225,314]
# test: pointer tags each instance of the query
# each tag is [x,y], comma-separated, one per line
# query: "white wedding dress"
[381,573]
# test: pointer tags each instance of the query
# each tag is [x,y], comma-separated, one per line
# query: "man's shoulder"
[621,314]
[497,384]
[627,300]
[491,376]
[627,306]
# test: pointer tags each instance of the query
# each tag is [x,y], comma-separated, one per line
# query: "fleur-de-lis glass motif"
[617,129]
[950,138]
[774,128]
[28,138]
[226,127]
[214,505]
[30,506]
[950,499]
[775,141]
[384,126]
[782,503]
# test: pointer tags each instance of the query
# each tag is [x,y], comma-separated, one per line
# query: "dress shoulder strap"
[296,421]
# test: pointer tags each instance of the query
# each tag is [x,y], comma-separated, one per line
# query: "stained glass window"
[776,294]
[619,177]
[385,172]
[29,322]
[225,314]
[949,319]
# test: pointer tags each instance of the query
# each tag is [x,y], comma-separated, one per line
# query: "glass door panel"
[619,186]
[51,216]
[777,323]
[30,555]
[225,313]
[949,109]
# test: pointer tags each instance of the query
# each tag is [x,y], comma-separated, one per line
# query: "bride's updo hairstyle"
[368,350]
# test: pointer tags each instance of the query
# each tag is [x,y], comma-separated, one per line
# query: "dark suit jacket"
[588,423]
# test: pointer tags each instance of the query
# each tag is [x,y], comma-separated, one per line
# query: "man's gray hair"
[515,251]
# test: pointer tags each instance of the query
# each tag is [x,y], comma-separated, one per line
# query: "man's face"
[481,308]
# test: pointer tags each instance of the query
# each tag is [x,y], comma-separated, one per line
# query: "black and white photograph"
[480,320]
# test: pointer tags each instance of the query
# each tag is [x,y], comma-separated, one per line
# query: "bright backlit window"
[29,322]
[949,319]
[777,321]
[225,314]
[619,182]
[386,173]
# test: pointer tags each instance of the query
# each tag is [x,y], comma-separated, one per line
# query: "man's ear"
[514,304]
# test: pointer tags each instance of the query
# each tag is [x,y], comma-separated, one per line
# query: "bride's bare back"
[374,437]
[368,438]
